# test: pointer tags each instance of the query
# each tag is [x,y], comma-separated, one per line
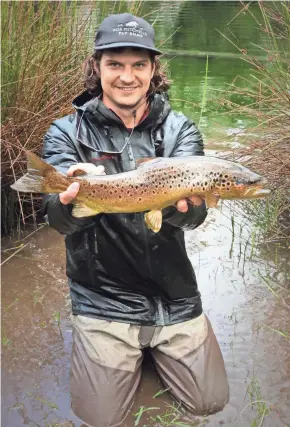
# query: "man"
[130,288]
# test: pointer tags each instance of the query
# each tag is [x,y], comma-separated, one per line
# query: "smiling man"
[130,288]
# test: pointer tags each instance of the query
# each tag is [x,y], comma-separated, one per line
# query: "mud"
[245,295]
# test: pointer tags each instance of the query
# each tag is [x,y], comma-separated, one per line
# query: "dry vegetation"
[267,94]
[44,45]
[41,73]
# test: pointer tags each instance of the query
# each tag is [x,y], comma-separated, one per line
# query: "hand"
[71,192]
[182,205]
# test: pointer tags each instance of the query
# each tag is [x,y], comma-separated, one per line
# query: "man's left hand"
[182,205]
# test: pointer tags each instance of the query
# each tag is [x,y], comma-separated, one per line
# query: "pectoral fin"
[80,211]
[153,220]
[211,200]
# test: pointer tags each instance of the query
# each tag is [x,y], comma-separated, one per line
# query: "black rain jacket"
[119,270]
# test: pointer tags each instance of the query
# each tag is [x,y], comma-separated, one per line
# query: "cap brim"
[124,44]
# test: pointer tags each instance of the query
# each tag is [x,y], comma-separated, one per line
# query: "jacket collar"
[96,109]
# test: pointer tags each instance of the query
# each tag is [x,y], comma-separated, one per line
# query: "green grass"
[170,417]
[257,404]
[6,342]
[203,101]
[44,401]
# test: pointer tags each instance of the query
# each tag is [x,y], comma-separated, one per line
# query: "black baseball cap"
[125,30]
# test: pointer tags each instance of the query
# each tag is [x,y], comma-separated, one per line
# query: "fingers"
[196,200]
[88,168]
[71,192]
[182,205]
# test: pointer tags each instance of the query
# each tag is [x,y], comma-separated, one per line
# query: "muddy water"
[251,323]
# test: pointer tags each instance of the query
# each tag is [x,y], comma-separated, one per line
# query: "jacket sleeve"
[189,143]
[60,152]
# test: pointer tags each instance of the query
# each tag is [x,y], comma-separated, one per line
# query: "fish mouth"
[256,192]
[254,189]
[261,192]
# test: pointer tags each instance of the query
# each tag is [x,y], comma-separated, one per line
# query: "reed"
[44,45]
[265,99]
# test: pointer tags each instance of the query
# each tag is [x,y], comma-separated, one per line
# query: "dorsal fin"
[36,165]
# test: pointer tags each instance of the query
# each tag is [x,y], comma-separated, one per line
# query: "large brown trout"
[155,184]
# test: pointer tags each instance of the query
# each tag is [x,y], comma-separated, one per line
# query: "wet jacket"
[118,269]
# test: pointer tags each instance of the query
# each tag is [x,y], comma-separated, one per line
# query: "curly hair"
[92,79]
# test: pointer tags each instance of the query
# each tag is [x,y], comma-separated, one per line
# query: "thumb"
[67,196]
[74,188]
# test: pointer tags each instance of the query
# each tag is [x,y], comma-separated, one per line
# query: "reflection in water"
[247,318]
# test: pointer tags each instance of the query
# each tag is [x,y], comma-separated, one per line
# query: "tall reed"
[265,98]
[44,45]
[41,72]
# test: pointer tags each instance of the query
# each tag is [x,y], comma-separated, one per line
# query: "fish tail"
[33,180]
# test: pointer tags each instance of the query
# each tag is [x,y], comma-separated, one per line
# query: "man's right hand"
[71,192]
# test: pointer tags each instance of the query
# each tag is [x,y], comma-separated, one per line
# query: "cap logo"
[132,28]
[132,24]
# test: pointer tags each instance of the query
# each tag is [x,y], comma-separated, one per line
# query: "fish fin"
[80,210]
[36,165]
[29,183]
[145,160]
[32,181]
[153,220]
[211,200]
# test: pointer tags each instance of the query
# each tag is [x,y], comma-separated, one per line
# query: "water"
[249,321]
[187,29]
[244,282]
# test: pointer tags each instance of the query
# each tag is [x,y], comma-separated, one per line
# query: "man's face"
[126,76]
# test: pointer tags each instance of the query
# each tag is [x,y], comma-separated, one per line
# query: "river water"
[243,278]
